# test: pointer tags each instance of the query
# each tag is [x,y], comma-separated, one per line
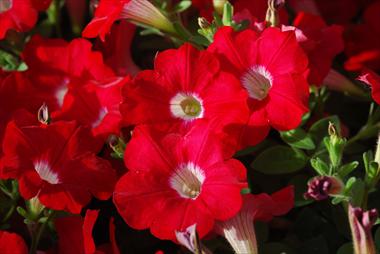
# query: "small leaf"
[182,6]
[346,169]
[346,248]
[357,192]
[228,13]
[367,158]
[280,160]
[22,212]
[320,166]
[298,138]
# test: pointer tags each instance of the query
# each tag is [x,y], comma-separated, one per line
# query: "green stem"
[36,234]
[9,213]
[57,15]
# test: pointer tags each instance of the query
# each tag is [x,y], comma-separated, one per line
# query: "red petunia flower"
[186,85]
[239,230]
[94,104]
[321,44]
[117,49]
[11,243]
[74,82]
[18,15]
[373,80]
[140,11]
[271,68]
[56,163]
[176,181]
[107,12]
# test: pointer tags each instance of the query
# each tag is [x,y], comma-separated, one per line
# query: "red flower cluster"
[189,115]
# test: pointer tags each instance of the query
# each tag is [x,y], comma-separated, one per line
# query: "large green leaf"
[298,138]
[280,160]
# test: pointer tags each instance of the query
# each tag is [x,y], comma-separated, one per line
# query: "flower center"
[5,5]
[257,81]
[187,180]
[44,171]
[186,106]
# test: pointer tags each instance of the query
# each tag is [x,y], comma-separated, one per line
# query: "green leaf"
[280,160]
[377,238]
[298,138]
[22,212]
[357,192]
[372,175]
[228,12]
[10,62]
[346,169]
[346,248]
[320,166]
[182,6]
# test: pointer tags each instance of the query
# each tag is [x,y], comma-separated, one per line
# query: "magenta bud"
[321,187]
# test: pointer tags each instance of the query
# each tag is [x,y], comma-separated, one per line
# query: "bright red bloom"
[185,86]
[18,15]
[178,180]
[271,68]
[107,12]
[321,44]
[55,61]
[11,243]
[117,49]
[56,163]
[75,83]
[363,41]
[239,230]
[373,80]
[94,104]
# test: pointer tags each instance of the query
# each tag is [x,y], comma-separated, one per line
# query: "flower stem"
[37,233]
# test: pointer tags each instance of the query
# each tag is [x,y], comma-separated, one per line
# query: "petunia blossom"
[178,180]
[185,86]
[55,163]
[140,11]
[271,67]
[321,44]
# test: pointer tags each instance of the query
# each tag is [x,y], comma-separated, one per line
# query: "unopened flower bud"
[361,223]
[203,23]
[272,16]
[219,5]
[321,187]
[43,114]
